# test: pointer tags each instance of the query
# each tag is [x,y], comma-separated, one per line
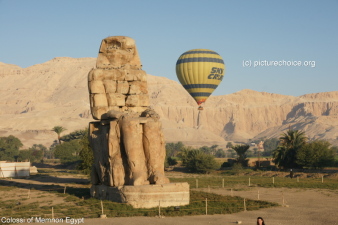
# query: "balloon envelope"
[200,71]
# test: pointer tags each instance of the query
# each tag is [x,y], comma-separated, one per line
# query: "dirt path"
[308,207]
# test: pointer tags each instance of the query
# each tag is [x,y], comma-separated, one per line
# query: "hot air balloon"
[200,71]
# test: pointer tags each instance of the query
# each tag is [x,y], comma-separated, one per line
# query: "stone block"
[122,87]
[138,109]
[96,87]
[98,112]
[33,170]
[110,86]
[99,100]
[145,196]
[105,74]
[138,87]
[96,74]
[137,100]
[116,99]
[133,75]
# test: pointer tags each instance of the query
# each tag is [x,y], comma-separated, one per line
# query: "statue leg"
[132,140]
[116,163]
[154,149]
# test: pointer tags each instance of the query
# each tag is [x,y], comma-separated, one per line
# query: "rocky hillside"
[55,93]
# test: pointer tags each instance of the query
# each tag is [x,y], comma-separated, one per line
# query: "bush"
[316,154]
[9,148]
[68,151]
[200,162]
[86,154]
[226,164]
[30,155]
[171,161]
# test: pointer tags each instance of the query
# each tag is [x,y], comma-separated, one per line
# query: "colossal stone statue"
[129,131]
[127,138]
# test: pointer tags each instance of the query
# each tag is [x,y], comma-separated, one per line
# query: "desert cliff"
[35,99]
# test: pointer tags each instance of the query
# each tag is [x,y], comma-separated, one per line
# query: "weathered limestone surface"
[145,196]
[127,139]
[118,82]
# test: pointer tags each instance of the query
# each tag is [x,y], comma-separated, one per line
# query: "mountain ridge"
[35,99]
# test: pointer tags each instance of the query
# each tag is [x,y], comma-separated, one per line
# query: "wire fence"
[77,201]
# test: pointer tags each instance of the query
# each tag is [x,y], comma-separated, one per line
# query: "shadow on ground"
[76,191]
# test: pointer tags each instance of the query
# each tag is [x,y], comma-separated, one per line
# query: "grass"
[78,207]
[216,181]
[79,204]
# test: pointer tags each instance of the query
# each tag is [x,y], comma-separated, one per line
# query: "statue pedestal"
[145,196]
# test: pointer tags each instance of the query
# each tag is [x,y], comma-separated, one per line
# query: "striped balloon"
[200,71]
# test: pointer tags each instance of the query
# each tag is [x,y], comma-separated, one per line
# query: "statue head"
[118,51]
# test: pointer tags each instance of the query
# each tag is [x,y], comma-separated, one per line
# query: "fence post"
[52,212]
[249,182]
[322,179]
[297,179]
[273,180]
[244,205]
[196,183]
[102,216]
[29,193]
[64,190]
[159,208]
[223,183]
[206,206]
[258,195]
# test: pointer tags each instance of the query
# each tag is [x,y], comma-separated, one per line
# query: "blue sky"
[35,31]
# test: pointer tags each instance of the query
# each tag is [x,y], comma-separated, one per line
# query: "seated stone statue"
[127,139]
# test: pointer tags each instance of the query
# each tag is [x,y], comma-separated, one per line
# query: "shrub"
[316,154]
[171,161]
[200,162]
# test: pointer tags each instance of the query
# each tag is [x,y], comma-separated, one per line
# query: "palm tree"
[290,142]
[293,139]
[59,130]
[241,156]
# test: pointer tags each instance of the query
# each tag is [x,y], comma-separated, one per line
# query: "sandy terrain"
[302,206]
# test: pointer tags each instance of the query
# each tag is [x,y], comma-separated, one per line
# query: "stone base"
[145,196]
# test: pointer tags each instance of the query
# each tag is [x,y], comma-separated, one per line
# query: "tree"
[68,151]
[171,161]
[220,153]
[78,134]
[213,149]
[183,155]
[172,149]
[270,145]
[206,150]
[59,130]
[285,154]
[200,162]
[241,154]
[86,154]
[9,148]
[229,145]
[335,149]
[31,155]
[232,153]
[316,154]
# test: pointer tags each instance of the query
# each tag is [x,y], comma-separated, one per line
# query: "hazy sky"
[301,37]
